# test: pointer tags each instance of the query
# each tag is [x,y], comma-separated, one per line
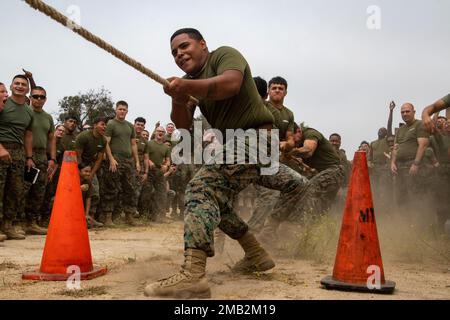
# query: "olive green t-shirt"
[142,147]
[378,149]
[158,152]
[242,111]
[68,141]
[441,146]
[121,133]
[325,155]
[15,119]
[42,127]
[287,122]
[90,146]
[447,101]
[275,113]
[406,138]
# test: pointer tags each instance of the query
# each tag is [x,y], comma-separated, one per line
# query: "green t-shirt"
[406,138]
[158,152]
[42,127]
[68,141]
[378,149]
[287,122]
[276,115]
[447,101]
[242,111]
[142,147]
[121,133]
[441,146]
[325,155]
[90,146]
[15,119]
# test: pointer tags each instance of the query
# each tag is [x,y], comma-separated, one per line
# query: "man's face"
[85,173]
[3,93]
[70,125]
[277,92]
[160,132]
[390,142]
[100,128]
[408,113]
[298,135]
[170,128]
[19,87]
[440,123]
[121,112]
[38,98]
[59,131]
[139,127]
[447,127]
[364,147]
[145,134]
[335,142]
[189,54]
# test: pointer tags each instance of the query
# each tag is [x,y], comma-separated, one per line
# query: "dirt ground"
[418,262]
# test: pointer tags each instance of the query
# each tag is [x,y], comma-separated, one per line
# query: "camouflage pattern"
[442,193]
[35,193]
[145,199]
[118,186]
[95,196]
[265,201]
[178,183]
[158,198]
[317,199]
[210,195]
[11,183]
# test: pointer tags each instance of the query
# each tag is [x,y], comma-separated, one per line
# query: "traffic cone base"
[40,276]
[331,284]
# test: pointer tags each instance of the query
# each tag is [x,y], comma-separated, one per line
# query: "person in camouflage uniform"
[411,142]
[228,98]
[142,149]
[91,147]
[178,183]
[144,201]
[118,173]
[16,147]
[43,144]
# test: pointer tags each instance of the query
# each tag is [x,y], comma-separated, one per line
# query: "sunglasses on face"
[38,97]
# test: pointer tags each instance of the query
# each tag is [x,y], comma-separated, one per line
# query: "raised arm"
[389,124]
[439,105]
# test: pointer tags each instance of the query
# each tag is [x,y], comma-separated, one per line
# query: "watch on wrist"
[29,158]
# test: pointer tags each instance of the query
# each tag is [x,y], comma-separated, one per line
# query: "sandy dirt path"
[136,256]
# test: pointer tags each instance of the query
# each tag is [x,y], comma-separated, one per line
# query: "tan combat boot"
[190,282]
[19,227]
[256,259]
[33,229]
[108,220]
[10,231]
[129,219]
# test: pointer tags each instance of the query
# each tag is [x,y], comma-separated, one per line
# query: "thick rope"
[65,21]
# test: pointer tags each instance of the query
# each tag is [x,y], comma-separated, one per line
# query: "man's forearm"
[28,143]
[420,152]
[98,163]
[52,146]
[146,158]
[135,152]
[182,115]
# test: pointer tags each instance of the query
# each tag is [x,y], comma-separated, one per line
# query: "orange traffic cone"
[67,243]
[358,265]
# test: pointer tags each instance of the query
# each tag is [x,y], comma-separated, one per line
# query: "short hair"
[442,117]
[335,135]
[83,165]
[100,119]
[140,119]
[59,125]
[70,116]
[121,103]
[2,84]
[278,80]
[364,142]
[261,85]
[146,131]
[191,32]
[39,88]
[20,76]
[170,123]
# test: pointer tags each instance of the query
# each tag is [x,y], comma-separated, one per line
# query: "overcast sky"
[341,73]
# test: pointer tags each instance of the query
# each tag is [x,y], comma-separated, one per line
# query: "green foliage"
[87,106]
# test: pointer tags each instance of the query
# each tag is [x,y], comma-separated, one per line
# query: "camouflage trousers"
[118,186]
[35,193]
[318,197]
[211,193]
[158,197]
[95,196]
[265,201]
[408,190]
[382,185]
[12,194]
